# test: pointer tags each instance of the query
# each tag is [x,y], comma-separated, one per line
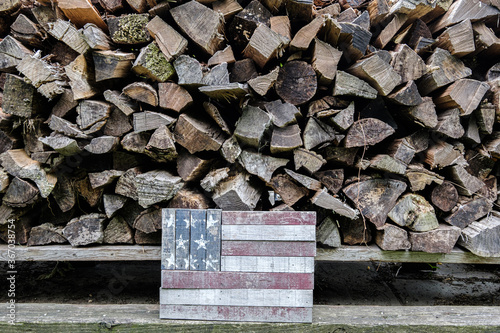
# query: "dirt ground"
[335,283]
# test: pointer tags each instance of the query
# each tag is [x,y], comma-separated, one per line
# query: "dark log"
[64,194]
[386,163]
[480,163]
[65,104]
[309,160]
[375,198]
[173,97]
[354,231]
[230,149]
[406,95]
[420,177]
[20,193]
[487,43]
[367,132]
[90,195]
[25,30]
[113,203]
[423,114]
[392,238]
[328,233]
[246,21]
[85,230]
[191,167]
[153,64]
[46,233]
[485,117]
[296,83]
[201,24]
[243,71]
[190,198]
[170,42]
[161,146]
[440,240]
[349,85]
[466,183]
[149,220]
[353,41]
[228,8]
[466,213]
[252,126]
[260,165]
[197,135]
[81,76]
[118,232]
[129,29]
[11,53]
[445,196]
[471,134]
[449,124]
[289,192]
[117,124]
[20,98]
[122,102]
[285,139]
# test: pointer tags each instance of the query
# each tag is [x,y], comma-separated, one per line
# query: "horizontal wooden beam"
[51,317]
[151,253]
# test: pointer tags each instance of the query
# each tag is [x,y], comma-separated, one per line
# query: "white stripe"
[238,297]
[267,264]
[269,232]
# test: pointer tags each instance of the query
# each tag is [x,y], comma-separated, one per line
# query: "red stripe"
[236,313]
[235,280]
[268,249]
[290,218]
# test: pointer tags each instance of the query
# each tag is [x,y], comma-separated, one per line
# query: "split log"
[324,200]
[286,188]
[126,185]
[401,150]
[392,238]
[118,232]
[285,139]
[458,39]
[173,97]
[442,154]
[4,180]
[407,63]
[418,34]
[65,104]
[487,43]
[281,25]
[91,113]
[9,7]
[169,41]
[20,193]
[367,132]
[485,117]
[82,78]
[236,193]
[375,198]
[147,120]
[265,45]
[377,72]
[161,146]
[340,155]
[282,114]
[140,6]
[378,10]
[228,8]
[423,114]
[102,145]
[214,113]
[307,182]
[142,92]
[112,64]
[85,230]
[214,177]
[25,30]
[129,29]
[156,186]
[64,194]
[439,240]
[122,102]
[354,231]
[324,61]
[328,233]
[331,179]
[43,76]
[262,84]
[103,178]
[63,126]
[90,195]
[67,33]
[197,134]
[317,132]
[443,70]
[414,212]
[262,166]
[471,134]
[118,124]
[243,71]
[349,85]
[113,203]
[62,144]
[466,213]
[245,22]
[466,183]
[189,71]
[449,124]
[221,56]
[252,126]
[481,237]
[96,38]
[153,64]
[386,163]
[461,10]
[11,53]
[390,30]
[18,164]
[230,149]
[191,167]
[321,25]
[80,12]
[148,221]
[309,160]
[465,94]
[406,95]
[20,98]
[201,24]
[135,142]
[353,41]
[296,83]
[190,198]
[46,233]
[445,196]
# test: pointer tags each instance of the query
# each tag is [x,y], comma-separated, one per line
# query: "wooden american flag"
[237,266]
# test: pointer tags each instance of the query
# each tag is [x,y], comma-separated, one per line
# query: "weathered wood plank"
[269,232]
[224,313]
[267,264]
[268,249]
[234,280]
[237,297]
[198,246]
[213,253]
[269,218]
[168,239]
[182,228]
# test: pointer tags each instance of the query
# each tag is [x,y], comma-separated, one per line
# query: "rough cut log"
[118,124]
[214,177]
[466,213]
[190,198]
[153,64]
[18,164]
[392,238]
[142,92]
[191,167]
[122,102]
[445,196]
[390,30]
[442,154]
[349,85]
[367,132]
[439,240]
[156,186]
[161,146]
[309,160]
[228,8]
[80,12]
[147,120]
[324,200]
[82,78]
[197,134]
[465,94]
[118,232]
[63,126]
[92,112]
[285,139]
[466,183]
[112,64]
[423,114]
[262,84]
[245,22]
[46,233]
[149,220]
[414,212]
[67,33]
[282,114]
[317,132]
[481,237]
[324,61]
[129,29]
[407,63]
[113,203]
[236,193]
[173,97]
[353,41]
[296,83]
[140,6]
[252,126]
[169,41]
[458,39]
[20,98]
[85,230]
[264,45]
[286,188]
[25,30]
[11,53]
[20,193]
[328,233]
[43,76]
[226,55]
[443,70]
[201,24]
[406,95]
[62,144]
[281,25]
[375,198]
[449,124]
[260,165]
[354,231]
[377,72]
[96,38]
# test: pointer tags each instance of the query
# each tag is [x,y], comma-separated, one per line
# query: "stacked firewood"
[381,115]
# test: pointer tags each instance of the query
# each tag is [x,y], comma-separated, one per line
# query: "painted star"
[202,243]
[211,222]
[170,261]
[170,221]
[188,223]
[209,263]
[181,243]
[193,263]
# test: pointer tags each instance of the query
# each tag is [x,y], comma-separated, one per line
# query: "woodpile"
[381,115]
